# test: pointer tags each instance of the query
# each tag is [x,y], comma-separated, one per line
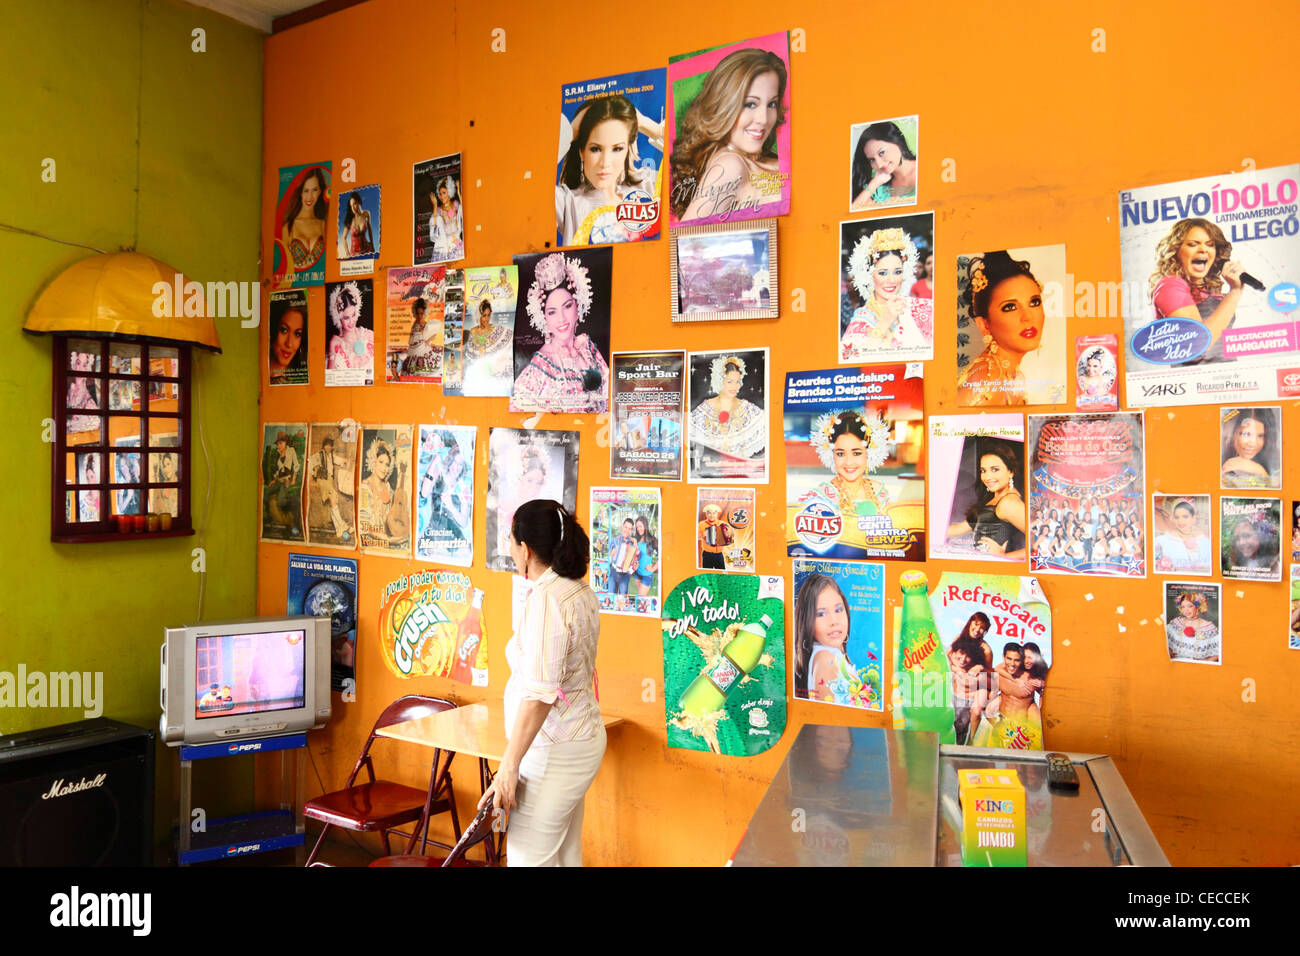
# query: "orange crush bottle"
[468,640]
[922,680]
[708,692]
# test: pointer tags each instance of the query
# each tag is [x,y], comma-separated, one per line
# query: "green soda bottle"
[922,680]
[708,692]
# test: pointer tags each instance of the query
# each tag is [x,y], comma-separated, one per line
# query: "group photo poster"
[609,173]
[648,396]
[1011,339]
[413,324]
[1210,270]
[431,625]
[320,585]
[725,536]
[439,218]
[1251,448]
[561,344]
[724,663]
[287,351]
[488,339]
[1193,627]
[977,482]
[384,492]
[885,311]
[444,506]
[453,326]
[839,632]
[358,230]
[1250,545]
[1088,461]
[727,433]
[301,226]
[1182,539]
[1096,373]
[729,132]
[350,333]
[284,455]
[524,464]
[331,479]
[625,552]
[854,452]
[884,164]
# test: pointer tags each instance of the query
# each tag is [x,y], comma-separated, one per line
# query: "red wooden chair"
[381,804]
[477,832]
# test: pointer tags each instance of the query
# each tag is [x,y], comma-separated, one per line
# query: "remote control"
[1060,772]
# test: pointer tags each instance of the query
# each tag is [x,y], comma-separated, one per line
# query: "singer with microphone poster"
[1210,297]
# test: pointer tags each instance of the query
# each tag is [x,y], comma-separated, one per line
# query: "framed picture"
[724,271]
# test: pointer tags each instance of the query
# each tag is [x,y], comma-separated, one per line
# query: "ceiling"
[262,14]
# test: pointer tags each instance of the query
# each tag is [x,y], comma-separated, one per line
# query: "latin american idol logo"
[638,212]
[818,525]
[1170,341]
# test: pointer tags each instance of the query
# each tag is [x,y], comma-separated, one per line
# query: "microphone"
[1249,280]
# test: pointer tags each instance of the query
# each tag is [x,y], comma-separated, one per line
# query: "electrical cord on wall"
[207,503]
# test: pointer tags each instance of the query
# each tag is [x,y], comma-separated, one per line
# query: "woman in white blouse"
[556,736]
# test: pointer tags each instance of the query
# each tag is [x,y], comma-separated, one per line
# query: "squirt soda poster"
[431,625]
[724,663]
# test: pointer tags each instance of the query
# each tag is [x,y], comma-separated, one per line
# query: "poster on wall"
[524,464]
[725,537]
[453,325]
[301,226]
[729,132]
[884,164]
[1251,448]
[977,481]
[1295,530]
[287,351]
[1293,632]
[413,337]
[1250,545]
[727,434]
[561,347]
[284,453]
[439,214]
[384,493]
[358,230]
[350,333]
[1087,461]
[646,430]
[724,663]
[882,318]
[1010,333]
[854,451]
[326,586]
[431,625]
[1096,373]
[1182,538]
[331,476]
[1210,270]
[609,173]
[489,335]
[1193,628]
[839,632]
[625,551]
[444,511]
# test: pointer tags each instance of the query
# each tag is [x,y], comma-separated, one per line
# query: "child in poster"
[1096,372]
[728,432]
[839,632]
[558,368]
[413,352]
[1096,462]
[729,135]
[646,429]
[855,485]
[301,214]
[358,231]
[1181,525]
[445,509]
[880,315]
[284,447]
[883,164]
[431,625]
[1252,448]
[977,479]
[439,214]
[350,351]
[1010,338]
[609,171]
[1192,612]
[287,350]
[1293,635]
[1201,328]
[331,473]
[1251,538]
[490,303]
[384,495]
[524,464]
[320,585]
[724,529]
[625,552]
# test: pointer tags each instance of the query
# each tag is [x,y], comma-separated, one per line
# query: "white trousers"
[545,827]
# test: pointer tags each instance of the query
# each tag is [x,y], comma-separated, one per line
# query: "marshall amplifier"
[77,794]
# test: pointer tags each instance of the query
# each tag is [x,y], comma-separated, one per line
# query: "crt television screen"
[249,673]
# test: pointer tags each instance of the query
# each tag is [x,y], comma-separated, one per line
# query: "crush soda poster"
[431,625]
[724,663]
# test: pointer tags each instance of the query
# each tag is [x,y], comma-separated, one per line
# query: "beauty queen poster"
[1211,268]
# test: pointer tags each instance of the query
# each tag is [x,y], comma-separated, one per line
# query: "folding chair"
[477,832]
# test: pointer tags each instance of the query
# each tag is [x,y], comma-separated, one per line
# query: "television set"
[258,677]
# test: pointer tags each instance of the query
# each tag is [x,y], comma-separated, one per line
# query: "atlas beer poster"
[1210,271]
[646,432]
[327,587]
[431,625]
[855,481]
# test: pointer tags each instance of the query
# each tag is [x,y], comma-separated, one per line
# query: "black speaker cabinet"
[77,794]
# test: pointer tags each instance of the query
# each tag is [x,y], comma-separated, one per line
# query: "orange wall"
[1044,133]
